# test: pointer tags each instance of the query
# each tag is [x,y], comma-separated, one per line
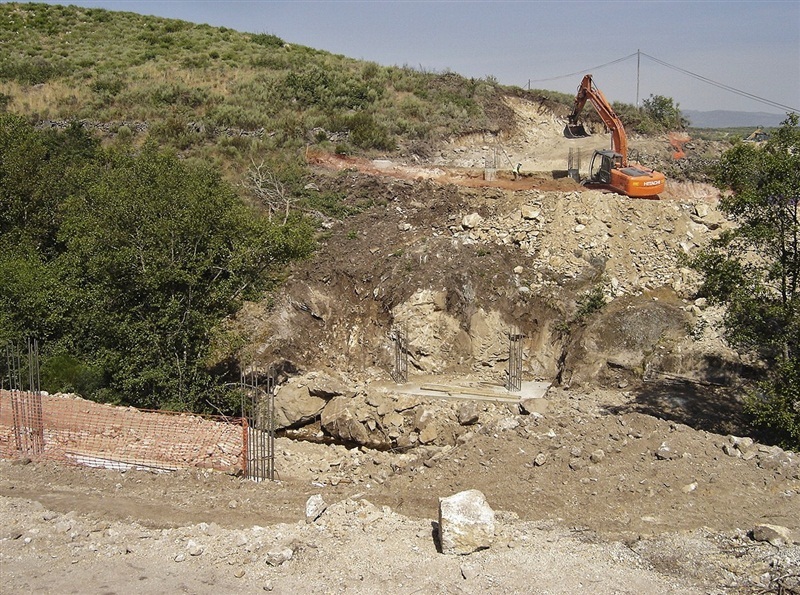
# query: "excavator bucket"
[575,131]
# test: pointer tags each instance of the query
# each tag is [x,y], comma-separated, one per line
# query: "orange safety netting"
[71,429]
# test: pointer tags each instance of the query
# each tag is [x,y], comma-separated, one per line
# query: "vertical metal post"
[574,164]
[271,423]
[514,383]
[638,63]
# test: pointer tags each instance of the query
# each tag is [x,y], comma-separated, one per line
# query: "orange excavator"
[611,169]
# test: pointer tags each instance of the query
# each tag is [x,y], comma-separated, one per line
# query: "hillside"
[623,464]
[217,93]
[731,119]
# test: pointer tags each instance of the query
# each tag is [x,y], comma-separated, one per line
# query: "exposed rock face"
[621,336]
[466,523]
[487,332]
[432,332]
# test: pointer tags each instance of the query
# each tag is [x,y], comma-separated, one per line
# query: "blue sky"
[752,46]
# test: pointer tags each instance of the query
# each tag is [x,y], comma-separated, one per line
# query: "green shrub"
[590,302]
[110,85]
[267,40]
[31,71]
[63,372]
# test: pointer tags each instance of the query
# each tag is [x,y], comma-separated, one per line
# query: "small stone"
[240,540]
[529,405]
[597,456]
[278,556]
[774,534]
[577,464]
[731,451]
[468,414]
[429,434]
[194,548]
[315,506]
[701,210]
[180,558]
[404,226]
[689,488]
[469,573]
[665,453]
[529,212]
[238,573]
[471,221]
[540,459]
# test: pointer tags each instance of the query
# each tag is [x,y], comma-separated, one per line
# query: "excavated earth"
[632,474]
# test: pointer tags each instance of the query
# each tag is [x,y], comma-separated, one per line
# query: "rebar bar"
[258,409]
[514,382]
[400,371]
[26,398]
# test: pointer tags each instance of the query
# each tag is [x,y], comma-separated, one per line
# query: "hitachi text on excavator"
[610,168]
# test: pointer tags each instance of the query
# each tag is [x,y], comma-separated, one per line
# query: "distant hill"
[728,119]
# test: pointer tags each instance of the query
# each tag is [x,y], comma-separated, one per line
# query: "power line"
[722,85]
[699,77]
[563,76]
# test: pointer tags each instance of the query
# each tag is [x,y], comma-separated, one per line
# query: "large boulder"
[300,401]
[621,337]
[341,421]
[466,523]
[295,407]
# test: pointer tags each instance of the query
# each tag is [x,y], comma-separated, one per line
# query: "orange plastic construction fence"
[71,429]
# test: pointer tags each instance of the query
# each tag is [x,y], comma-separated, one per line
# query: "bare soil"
[623,502]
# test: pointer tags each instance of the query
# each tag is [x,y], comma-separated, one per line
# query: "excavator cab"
[602,164]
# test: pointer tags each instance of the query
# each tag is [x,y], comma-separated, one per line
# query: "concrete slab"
[441,388]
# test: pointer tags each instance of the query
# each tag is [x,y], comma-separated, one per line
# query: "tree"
[755,270]
[664,112]
[158,252]
[263,183]
[124,264]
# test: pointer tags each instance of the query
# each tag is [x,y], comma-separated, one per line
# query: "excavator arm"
[587,91]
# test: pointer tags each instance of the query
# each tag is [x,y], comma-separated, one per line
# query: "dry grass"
[70,62]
